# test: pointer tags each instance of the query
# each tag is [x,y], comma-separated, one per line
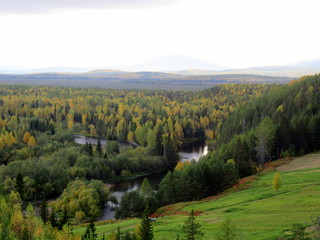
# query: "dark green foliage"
[90,151]
[298,232]
[171,153]
[197,180]
[44,211]
[52,219]
[191,229]
[99,148]
[65,217]
[294,111]
[90,233]
[112,147]
[132,205]
[146,229]
[20,185]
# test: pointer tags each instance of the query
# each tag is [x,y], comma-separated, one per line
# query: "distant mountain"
[174,62]
[310,63]
[286,71]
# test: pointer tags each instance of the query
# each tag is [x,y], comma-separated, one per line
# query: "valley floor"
[258,211]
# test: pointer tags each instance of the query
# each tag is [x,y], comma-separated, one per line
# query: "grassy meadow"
[258,211]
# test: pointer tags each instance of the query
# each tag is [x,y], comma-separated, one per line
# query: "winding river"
[194,151]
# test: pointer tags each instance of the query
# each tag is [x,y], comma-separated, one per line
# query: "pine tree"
[90,233]
[44,211]
[99,148]
[20,185]
[52,219]
[90,151]
[171,153]
[191,228]
[145,189]
[146,229]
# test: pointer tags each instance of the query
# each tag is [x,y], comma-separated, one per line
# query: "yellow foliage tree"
[210,133]
[70,124]
[276,181]
[32,142]
[26,137]
[179,166]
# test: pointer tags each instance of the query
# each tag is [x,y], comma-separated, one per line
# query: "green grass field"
[257,210]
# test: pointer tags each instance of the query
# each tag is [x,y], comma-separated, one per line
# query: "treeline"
[285,122]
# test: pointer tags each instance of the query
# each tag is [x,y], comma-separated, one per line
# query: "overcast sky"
[110,33]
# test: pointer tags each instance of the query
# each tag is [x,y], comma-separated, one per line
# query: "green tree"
[99,148]
[191,229]
[171,153]
[44,211]
[20,185]
[146,229]
[227,231]
[90,233]
[132,205]
[145,189]
[264,134]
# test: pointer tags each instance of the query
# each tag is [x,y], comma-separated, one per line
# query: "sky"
[115,33]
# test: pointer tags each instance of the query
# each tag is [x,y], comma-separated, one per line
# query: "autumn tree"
[32,142]
[276,184]
[26,137]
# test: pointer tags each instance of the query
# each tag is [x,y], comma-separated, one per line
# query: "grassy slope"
[258,211]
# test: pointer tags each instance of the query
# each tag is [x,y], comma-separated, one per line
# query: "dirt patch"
[306,162]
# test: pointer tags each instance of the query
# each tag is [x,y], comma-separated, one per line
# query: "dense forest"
[246,125]
[137,80]
[282,123]
[40,159]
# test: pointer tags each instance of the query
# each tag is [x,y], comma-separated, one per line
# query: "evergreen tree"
[191,228]
[20,185]
[44,211]
[145,189]
[99,148]
[52,219]
[146,229]
[90,151]
[171,153]
[90,233]
[227,231]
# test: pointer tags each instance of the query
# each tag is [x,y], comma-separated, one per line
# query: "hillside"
[258,211]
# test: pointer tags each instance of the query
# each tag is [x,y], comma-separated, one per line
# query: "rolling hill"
[259,212]
[141,80]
